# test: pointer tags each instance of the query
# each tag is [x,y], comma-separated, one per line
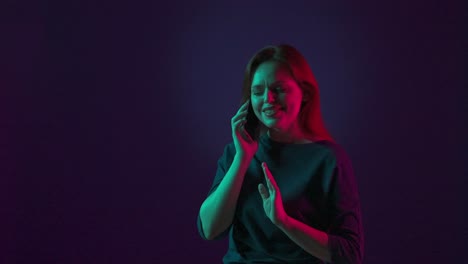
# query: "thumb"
[263,191]
[246,135]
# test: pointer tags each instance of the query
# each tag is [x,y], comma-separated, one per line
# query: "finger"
[263,191]
[266,171]
[270,186]
[244,106]
[245,135]
[269,177]
[239,129]
[239,116]
[239,125]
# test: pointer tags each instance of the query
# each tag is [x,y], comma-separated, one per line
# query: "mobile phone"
[252,124]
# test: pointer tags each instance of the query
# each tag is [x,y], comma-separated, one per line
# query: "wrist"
[242,157]
[284,223]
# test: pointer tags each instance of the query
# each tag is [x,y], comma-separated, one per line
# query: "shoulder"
[228,152]
[229,149]
[336,152]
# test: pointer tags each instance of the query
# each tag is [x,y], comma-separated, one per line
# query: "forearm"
[312,240]
[217,211]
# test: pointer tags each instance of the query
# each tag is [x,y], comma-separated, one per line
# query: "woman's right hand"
[245,145]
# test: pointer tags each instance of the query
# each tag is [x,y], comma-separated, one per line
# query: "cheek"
[294,98]
[293,105]
[255,106]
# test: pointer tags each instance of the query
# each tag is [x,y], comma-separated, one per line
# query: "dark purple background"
[113,116]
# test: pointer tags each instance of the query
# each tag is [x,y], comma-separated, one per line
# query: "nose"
[269,96]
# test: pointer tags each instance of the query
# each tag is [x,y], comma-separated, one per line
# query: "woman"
[284,191]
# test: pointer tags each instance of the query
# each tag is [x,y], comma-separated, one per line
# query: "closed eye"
[280,89]
[277,89]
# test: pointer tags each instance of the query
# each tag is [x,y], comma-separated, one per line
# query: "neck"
[293,136]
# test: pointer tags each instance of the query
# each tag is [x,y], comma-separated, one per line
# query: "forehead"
[271,71]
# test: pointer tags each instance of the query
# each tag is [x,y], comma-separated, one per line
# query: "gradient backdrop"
[113,116]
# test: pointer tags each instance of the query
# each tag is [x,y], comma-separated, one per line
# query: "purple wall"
[113,115]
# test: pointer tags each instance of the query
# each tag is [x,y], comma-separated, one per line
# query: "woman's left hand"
[271,196]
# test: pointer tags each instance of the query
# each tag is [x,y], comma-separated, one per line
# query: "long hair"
[309,117]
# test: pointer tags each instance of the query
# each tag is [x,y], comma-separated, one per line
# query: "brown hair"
[310,118]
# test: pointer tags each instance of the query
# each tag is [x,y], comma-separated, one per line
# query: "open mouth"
[271,112]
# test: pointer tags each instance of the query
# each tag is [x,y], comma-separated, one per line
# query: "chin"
[274,125]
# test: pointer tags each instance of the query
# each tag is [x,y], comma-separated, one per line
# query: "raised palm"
[271,196]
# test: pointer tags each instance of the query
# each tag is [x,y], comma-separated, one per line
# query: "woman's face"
[276,97]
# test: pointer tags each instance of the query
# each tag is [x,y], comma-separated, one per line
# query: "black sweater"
[318,188]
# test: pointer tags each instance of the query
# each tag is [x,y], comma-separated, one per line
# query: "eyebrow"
[272,84]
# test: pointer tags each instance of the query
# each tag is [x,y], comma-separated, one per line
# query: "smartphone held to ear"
[252,124]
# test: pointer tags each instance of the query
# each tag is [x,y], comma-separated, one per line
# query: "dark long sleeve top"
[318,188]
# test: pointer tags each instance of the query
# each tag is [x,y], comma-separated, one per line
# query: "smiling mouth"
[272,112]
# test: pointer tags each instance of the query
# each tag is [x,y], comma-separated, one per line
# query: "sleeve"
[345,234]
[224,162]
